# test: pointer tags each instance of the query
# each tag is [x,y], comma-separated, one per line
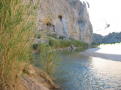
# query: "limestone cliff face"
[67,18]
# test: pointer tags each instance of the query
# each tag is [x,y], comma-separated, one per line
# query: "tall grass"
[16,25]
[48,59]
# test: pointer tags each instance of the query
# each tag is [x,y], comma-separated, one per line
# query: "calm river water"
[79,72]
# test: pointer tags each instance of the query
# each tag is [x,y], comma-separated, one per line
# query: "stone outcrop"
[67,18]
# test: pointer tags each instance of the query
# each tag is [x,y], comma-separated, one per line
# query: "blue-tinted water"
[79,72]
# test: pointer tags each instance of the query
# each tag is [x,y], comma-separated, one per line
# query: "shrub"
[54,43]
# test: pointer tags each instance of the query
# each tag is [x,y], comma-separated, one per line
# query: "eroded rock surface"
[36,79]
[67,18]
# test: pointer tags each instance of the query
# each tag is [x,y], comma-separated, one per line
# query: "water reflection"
[106,66]
[79,72]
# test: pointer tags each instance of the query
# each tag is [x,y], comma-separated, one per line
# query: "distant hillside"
[110,38]
[97,38]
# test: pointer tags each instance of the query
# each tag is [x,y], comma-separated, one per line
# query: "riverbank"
[33,78]
[110,52]
[85,72]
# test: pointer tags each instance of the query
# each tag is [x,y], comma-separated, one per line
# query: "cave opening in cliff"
[48,24]
[60,17]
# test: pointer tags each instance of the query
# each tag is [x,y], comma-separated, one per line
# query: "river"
[79,71]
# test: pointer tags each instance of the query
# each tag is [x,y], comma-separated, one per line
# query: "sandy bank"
[106,52]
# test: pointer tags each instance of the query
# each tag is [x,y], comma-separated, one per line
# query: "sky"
[104,12]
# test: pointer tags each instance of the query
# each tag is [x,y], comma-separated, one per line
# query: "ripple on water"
[88,73]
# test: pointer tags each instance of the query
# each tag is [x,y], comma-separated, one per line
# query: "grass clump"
[48,59]
[16,25]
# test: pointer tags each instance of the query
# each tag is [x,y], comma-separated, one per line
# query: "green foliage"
[58,43]
[48,59]
[16,25]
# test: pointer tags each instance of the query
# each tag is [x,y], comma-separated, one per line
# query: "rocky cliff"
[67,18]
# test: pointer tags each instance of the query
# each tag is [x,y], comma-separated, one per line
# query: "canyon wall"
[66,18]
